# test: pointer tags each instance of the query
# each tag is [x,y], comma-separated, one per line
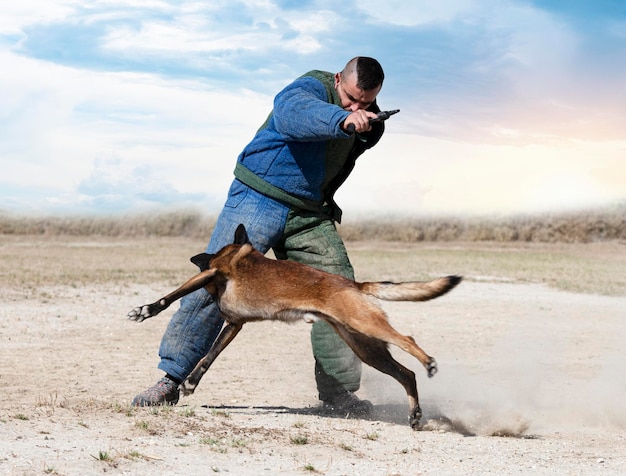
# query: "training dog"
[248,287]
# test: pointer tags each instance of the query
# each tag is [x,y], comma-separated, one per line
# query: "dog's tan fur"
[248,287]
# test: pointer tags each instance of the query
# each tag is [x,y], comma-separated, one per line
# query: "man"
[285,180]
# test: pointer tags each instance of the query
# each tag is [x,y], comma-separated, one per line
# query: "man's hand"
[358,121]
[370,117]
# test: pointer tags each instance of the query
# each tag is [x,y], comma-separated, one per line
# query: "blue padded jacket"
[300,155]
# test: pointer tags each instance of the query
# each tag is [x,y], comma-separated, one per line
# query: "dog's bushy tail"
[410,291]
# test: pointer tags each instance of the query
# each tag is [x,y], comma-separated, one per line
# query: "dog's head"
[203,260]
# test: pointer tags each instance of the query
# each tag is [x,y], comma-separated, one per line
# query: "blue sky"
[120,106]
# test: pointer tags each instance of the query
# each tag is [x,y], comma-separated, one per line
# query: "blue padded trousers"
[310,238]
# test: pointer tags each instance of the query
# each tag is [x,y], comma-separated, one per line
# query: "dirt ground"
[531,381]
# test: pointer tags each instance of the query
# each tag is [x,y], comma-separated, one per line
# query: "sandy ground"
[531,381]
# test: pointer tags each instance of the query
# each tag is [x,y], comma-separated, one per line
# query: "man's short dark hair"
[369,73]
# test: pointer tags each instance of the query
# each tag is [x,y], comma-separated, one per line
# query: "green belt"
[252,180]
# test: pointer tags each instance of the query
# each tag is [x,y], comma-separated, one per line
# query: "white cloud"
[502,73]
[195,28]
[425,176]
[54,133]
[510,67]
[179,38]
[17,15]
[530,31]
[417,12]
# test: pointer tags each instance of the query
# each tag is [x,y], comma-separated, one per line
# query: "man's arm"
[302,112]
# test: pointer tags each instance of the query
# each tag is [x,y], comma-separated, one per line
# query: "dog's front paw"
[146,311]
[431,368]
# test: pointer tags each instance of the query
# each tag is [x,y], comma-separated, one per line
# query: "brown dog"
[247,287]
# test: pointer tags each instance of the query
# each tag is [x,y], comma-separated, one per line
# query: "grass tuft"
[299,440]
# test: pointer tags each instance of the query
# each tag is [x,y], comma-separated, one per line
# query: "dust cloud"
[538,372]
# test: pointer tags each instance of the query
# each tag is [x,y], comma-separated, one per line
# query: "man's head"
[359,83]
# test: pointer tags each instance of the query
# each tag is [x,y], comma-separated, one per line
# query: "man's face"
[352,97]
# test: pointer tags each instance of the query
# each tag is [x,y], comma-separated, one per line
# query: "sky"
[506,106]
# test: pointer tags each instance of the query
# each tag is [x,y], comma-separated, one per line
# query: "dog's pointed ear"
[241,235]
[202,261]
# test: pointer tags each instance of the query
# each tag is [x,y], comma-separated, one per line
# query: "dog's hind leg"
[375,353]
[229,332]
[378,327]
[373,322]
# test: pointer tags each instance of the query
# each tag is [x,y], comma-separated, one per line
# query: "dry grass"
[579,227]
[595,268]
[574,227]
[29,263]
[582,252]
[174,223]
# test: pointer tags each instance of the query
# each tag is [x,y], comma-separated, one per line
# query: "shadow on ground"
[389,413]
